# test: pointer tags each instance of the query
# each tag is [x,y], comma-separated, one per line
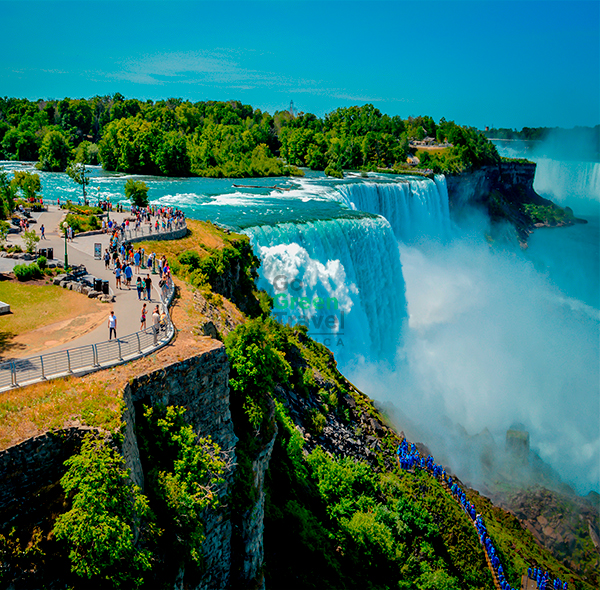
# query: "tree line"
[175,137]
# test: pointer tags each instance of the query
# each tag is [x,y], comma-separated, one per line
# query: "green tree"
[77,170]
[99,528]
[55,152]
[31,239]
[20,144]
[172,157]
[4,227]
[137,192]
[185,475]
[8,191]
[28,182]
[257,364]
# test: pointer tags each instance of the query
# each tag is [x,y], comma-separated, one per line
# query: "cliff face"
[200,384]
[502,191]
[31,471]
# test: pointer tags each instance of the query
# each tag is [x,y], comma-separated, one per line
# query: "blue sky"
[507,64]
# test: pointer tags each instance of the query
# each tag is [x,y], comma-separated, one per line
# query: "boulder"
[58,279]
[94,294]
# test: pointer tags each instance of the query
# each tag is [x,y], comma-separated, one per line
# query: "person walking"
[128,274]
[43,230]
[112,325]
[148,283]
[118,277]
[155,323]
[106,258]
[139,285]
[143,318]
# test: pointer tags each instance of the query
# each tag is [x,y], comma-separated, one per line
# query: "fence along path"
[93,357]
[146,231]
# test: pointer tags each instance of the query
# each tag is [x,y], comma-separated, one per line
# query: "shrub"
[31,239]
[81,223]
[27,272]
[190,258]
[257,364]
[4,227]
[84,209]
[334,170]
[41,262]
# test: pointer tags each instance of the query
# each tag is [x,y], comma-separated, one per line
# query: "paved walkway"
[127,307]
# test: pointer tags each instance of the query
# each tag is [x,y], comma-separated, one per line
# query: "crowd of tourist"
[409,458]
[156,219]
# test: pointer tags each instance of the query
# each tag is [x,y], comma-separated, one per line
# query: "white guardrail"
[93,357]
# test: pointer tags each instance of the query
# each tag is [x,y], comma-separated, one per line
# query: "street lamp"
[65,227]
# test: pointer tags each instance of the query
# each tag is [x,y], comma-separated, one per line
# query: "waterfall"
[417,209]
[565,181]
[341,277]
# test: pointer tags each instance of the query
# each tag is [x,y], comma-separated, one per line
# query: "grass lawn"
[431,150]
[34,306]
[202,237]
[96,399]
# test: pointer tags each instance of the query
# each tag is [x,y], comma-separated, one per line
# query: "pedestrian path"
[80,251]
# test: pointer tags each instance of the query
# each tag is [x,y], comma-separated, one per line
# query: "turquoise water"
[208,199]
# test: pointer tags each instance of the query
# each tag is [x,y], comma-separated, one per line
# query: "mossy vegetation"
[550,215]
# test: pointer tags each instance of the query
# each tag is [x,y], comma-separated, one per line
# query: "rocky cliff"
[502,191]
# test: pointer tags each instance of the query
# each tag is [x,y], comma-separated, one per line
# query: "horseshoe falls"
[571,183]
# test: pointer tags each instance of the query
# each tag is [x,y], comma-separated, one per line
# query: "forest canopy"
[174,137]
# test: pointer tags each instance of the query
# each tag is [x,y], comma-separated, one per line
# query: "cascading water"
[343,277]
[567,181]
[417,208]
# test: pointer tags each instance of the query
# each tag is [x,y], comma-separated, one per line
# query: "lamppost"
[65,227]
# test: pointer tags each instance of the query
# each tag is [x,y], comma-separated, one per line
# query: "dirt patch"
[43,316]
[58,333]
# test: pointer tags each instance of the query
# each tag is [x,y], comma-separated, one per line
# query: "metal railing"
[146,230]
[92,357]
